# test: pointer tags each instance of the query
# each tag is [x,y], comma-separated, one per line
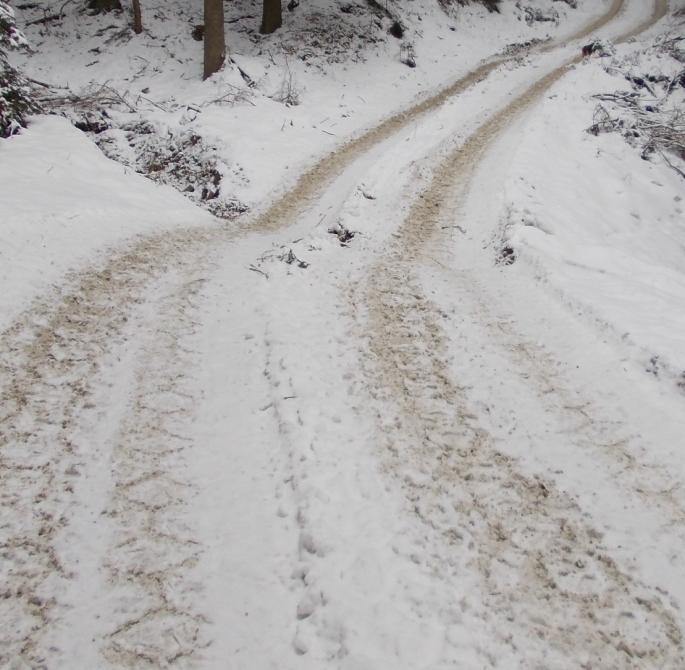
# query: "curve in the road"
[544,570]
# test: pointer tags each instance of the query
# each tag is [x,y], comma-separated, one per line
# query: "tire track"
[49,366]
[545,575]
[154,549]
[544,571]
[609,439]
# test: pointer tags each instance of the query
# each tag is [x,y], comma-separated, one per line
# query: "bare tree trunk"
[271,16]
[137,17]
[215,45]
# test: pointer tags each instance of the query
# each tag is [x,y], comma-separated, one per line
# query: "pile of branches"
[175,156]
[96,99]
[99,98]
[651,114]
[172,155]
[645,126]
[535,15]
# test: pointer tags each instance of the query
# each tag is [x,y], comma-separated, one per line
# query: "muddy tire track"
[154,546]
[606,437]
[310,184]
[544,571]
[545,574]
[49,364]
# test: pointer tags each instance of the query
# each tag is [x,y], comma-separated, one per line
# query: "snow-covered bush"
[178,157]
[15,96]
[535,14]
[10,36]
[649,108]
[490,5]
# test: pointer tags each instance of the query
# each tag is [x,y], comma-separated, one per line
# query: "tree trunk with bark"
[137,17]
[271,16]
[215,45]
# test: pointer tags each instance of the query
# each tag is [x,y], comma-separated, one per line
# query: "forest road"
[95,437]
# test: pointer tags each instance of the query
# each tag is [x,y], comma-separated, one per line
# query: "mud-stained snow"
[265,445]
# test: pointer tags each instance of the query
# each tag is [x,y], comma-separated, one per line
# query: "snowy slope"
[64,204]
[614,254]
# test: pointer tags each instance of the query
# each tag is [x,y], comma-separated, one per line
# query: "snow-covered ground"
[64,204]
[258,444]
[614,254]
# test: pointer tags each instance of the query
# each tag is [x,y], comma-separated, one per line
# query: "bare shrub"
[650,115]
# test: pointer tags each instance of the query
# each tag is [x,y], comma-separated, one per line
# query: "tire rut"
[48,366]
[606,437]
[544,572]
[154,546]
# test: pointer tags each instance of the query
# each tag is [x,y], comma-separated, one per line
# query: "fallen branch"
[256,269]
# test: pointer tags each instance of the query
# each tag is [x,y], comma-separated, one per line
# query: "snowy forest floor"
[415,400]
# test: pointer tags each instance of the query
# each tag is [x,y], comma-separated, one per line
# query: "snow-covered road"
[507,444]
[399,454]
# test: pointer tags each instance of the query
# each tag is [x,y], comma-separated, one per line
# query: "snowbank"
[63,202]
[616,253]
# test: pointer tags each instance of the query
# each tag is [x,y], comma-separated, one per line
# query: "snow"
[64,204]
[403,455]
[263,146]
[262,141]
[616,254]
